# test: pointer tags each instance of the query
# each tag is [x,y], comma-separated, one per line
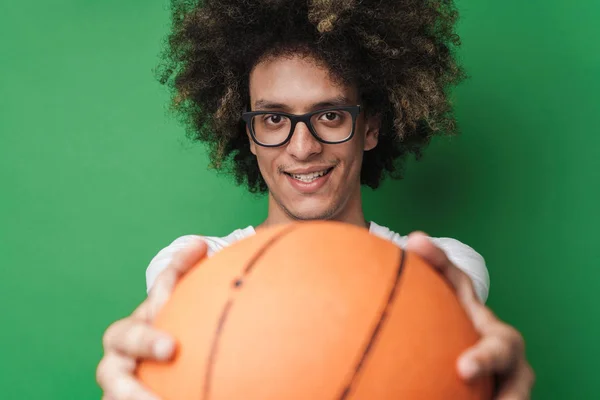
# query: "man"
[307,101]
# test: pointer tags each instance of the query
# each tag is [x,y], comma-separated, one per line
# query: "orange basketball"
[314,311]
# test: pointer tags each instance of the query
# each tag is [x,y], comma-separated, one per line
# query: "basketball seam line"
[377,329]
[237,284]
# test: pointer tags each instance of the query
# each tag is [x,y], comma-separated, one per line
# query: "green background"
[96,178]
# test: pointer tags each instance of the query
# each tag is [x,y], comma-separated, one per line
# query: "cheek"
[266,162]
[353,157]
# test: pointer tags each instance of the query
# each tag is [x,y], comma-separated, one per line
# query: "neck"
[351,213]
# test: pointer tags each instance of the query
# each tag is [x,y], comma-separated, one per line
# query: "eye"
[330,116]
[273,119]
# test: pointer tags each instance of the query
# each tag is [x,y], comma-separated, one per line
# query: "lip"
[309,170]
[309,187]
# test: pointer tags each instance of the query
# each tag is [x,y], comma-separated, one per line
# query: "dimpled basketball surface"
[313,310]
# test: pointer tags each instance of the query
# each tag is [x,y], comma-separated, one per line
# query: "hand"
[132,339]
[501,349]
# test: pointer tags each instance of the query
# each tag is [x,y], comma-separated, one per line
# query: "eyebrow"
[338,101]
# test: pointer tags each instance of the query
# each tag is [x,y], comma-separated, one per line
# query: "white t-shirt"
[463,256]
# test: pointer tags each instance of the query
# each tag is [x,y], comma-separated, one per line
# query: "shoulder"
[470,261]
[462,255]
[162,259]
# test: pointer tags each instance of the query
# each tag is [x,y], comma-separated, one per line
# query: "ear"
[372,125]
[252,144]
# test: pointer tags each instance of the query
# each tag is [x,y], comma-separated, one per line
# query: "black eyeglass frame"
[295,118]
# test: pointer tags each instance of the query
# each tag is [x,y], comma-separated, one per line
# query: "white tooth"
[309,177]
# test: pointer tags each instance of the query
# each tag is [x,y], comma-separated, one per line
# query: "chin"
[309,213]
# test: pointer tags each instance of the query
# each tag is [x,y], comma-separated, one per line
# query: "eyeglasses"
[329,126]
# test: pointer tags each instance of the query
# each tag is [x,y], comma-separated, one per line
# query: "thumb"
[181,263]
[421,244]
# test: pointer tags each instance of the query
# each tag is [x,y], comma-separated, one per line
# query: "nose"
[303,144]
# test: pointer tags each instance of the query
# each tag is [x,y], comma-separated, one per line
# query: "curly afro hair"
[398,53]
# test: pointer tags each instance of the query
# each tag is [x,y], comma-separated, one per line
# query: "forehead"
[296,81]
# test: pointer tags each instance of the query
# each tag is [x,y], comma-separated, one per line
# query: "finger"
[485,321]
[125,387]
[496,353]
[120,384]
[420,244]
[115,377]
[136,339]
[181,263]
[518,385]
[107,364]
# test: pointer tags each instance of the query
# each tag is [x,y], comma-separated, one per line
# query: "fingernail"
[468,368]
[163,348]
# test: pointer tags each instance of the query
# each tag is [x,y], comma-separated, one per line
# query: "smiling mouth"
[307,178]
